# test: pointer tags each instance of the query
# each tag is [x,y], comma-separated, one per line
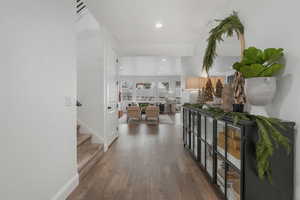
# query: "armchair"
[133,112]
[152,113]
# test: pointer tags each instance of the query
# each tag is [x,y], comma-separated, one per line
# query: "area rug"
[165,119]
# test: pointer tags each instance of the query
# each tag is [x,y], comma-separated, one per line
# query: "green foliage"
[228,27]
[142,105]
[197,106]
[258,63]
[269,134]
[270,137]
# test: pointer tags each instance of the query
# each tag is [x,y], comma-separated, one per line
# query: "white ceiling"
[132,22]
[150,66]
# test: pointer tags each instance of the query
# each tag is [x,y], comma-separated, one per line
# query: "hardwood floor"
[147,162]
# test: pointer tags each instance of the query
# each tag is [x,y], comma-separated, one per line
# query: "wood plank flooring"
[147,162]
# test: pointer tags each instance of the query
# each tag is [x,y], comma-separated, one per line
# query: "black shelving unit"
[226,153]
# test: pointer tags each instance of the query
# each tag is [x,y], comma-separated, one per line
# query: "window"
[150,90]
[127,90]
[145,91]
[163,89]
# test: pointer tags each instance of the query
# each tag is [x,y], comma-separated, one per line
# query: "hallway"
[147,162]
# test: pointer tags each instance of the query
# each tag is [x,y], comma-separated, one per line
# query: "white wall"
[223,65]
[94,62]
[38,94]
[90,78]
[190,66]
[150,66]
[272,24]
[275,24]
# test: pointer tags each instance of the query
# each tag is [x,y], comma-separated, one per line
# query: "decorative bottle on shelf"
[219,89]
[218,93]
[200,99]
[227,97]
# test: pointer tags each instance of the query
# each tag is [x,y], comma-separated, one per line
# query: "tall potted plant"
[259,68]
[227,27]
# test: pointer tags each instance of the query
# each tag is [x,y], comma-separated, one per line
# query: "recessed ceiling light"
[158,25]
[164,60]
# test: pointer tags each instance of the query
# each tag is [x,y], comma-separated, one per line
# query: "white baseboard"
[67,189]
[106,146]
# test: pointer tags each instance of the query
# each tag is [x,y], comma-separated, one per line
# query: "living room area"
[152,95]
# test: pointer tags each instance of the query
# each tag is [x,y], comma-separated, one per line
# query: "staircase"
[88,154]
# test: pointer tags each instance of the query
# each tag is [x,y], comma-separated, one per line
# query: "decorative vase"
[260,92]
[227,98]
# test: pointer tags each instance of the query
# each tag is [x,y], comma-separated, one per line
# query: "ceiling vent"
[80,6]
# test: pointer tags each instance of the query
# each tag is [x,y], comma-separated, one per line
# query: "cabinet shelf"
[233,165]
[226,152]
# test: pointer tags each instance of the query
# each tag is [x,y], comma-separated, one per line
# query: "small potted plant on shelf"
[259,68]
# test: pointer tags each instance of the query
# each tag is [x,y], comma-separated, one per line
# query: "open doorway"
[150,100]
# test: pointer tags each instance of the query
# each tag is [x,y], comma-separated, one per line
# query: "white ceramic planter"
[260,92]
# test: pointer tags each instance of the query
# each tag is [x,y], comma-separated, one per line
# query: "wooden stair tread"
[82,138]
[86,153]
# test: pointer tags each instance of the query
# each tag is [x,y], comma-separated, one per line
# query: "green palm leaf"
[227,27]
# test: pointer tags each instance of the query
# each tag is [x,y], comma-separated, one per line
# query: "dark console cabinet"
[226,152]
